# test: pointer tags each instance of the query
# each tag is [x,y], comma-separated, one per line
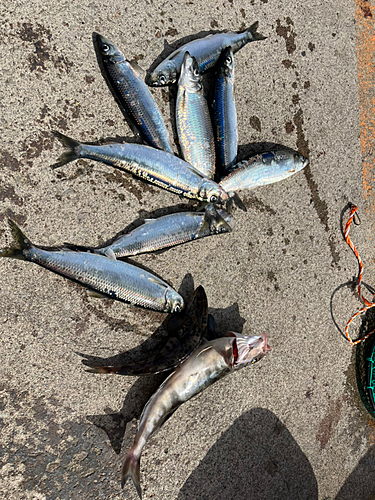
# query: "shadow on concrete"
[360,485]
[256,458]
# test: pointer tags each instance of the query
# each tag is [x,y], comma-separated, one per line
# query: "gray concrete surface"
[292,426]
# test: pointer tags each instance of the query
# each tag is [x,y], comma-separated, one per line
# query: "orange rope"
[369,304]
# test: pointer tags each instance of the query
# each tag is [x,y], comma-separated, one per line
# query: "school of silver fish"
[210,173]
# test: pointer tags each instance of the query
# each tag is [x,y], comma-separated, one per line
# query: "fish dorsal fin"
[96,295]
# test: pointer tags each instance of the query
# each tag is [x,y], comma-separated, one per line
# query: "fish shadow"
[115,423]
[256,458]
[254,148]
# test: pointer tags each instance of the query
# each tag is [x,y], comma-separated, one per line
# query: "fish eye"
[177,308]
[196,72]
[162,79]
[213,198]
[254,361]
[228,60]
[105,47]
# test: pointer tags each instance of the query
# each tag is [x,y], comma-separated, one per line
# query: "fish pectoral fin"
[110,254]
[96,295]
[205,349]
[157,280]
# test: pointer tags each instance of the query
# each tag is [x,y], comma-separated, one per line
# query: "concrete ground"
[291,427]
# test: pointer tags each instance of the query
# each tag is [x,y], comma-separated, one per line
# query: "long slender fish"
[207,363]
[178,347]
[132,94]
[262,169]
[224,112]
[110,278]
[167,231]
[193,120]
[206,51]
[153,165]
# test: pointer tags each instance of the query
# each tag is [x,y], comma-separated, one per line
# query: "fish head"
[107,49]
[164,74]
[226,63]
[190,77]
[248,348]
[213,193]
[219,220]
[174,303]
[300,162]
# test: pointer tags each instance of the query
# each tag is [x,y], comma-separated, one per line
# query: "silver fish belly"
[206,50]
[224,112]
[193,120]
[168,231]
[132,94]
[262,169]
[111,278]
[153,165]
[208,363]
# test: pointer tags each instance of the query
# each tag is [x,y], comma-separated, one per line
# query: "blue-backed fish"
[125,81]
[224,116]
[263,168]
[102,276]
[153,165]
[193,121]
[206,51]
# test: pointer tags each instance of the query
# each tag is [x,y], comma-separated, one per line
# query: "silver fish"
[104,277]
[262,169]
[168,231]
[207,363]
[206,50]
[153,165]
[193,120]
[178,347]
[132,94]
[224,112]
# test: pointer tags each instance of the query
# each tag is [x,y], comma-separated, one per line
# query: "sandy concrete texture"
[292,426]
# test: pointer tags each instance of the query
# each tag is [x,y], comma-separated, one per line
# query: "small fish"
[209,362]
[193,120]
[178,347]
[224,112]
[262,169]
[132,94]
[167,231]
[206,51]
[102,276]
[150,164]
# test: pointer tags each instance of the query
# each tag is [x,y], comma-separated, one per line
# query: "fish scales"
[206,50]
[262,169]
[115,279]
[224,112]
[132,94]
[193,120]
[153,165]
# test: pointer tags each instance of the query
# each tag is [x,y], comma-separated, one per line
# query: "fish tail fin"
[253,34]
[22,243]
[131,468]
[71,154]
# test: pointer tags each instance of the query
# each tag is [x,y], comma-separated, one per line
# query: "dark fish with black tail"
[206,364]
[193,120]
[102,276]
[132,94]
[224,112]
[168,231]
[153,165]
[262,169]
[178,347]
[206,51]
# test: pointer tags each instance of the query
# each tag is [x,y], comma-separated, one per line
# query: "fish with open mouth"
[209,362]
[193,324]
[206,51]
[102,276]
[132,94]
[167,231]
[262,169]
[224,116]
[193,121]
[152,165]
